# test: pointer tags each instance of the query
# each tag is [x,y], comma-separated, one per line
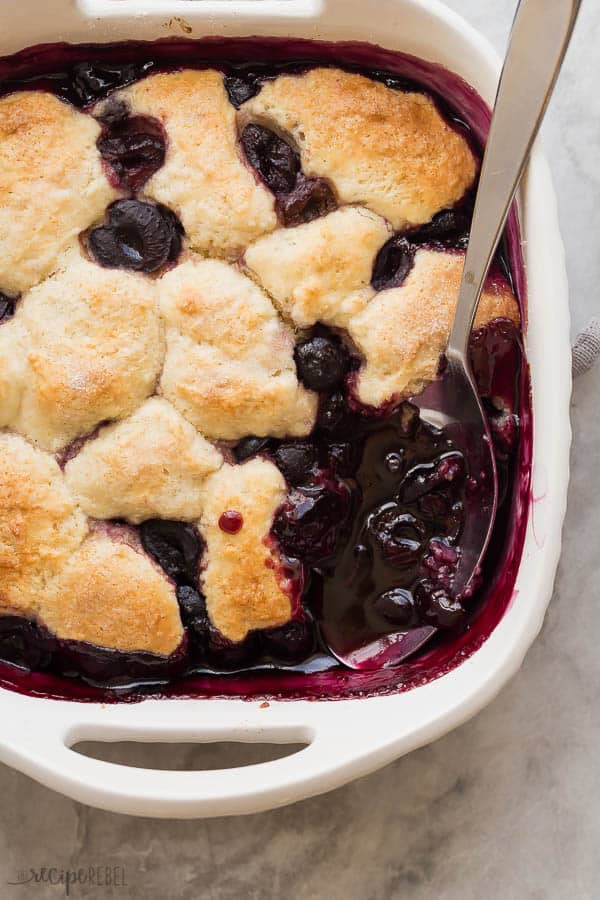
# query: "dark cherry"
[224,654]
[421,479]
[399,534]
[276,162]
[194,615]
[23,643]
[231,521]
[139,236]
[309,525]
[241,85]
[450,226]
[175,546]
[321,362]
[249,447]
[103,666]
[436,607]
[292,642]
[134,149]
[395,606]
[88,82]
[7,307]
[296,461]
[335,418]
[393,263]
[310,199]
[397,82]
[191,603]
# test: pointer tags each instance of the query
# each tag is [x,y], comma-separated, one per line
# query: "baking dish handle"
[222,8]
[41,747]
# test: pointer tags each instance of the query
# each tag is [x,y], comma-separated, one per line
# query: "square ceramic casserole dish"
[344,738]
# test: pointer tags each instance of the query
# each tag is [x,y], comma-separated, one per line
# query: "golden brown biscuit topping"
[229,366]
[241,582]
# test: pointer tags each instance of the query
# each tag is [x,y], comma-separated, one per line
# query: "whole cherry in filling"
[290,642]
[321,361]
[277,163]
[133,147]
[24,643]
[299,199]
[138,236]
[310,199]
[175,546]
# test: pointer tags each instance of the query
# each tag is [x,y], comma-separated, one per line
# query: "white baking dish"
[346,738]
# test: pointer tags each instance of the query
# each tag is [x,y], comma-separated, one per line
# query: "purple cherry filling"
[309,525]
[24,643]
[91,81]
[406,500]
[310,199]
[7,307]
[297,461]
[321,361]
[175,546]
[133,148]
[272,158]
[241,87]
[249,447]
[299,199]
[291,642]
[139,236]
[393,263]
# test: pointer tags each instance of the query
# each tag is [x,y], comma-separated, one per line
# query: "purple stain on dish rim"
[84,84]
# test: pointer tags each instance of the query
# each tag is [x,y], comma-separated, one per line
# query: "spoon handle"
[540,36]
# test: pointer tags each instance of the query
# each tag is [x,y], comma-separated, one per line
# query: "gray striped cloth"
[586,348]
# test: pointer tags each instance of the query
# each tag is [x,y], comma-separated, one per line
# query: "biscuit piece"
[204,179]
[52,184]
[40,525]
[240,581]
[113,596]
[94,350]
[229,367]
[403,331]
[12,370]
[389,150]
[151,465]
[321,271]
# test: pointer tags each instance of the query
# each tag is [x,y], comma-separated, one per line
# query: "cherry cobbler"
[221,284]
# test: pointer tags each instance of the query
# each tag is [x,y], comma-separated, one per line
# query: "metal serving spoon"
[539,39]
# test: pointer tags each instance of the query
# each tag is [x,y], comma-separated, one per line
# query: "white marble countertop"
[504,808]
